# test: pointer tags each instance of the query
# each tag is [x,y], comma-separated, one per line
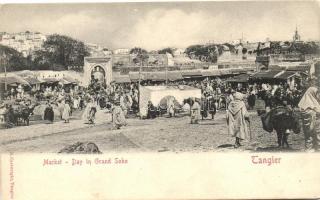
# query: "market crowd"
[122,100]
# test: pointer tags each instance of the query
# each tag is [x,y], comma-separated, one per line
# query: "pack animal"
[22,114]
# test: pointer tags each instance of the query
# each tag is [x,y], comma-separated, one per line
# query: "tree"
[205,53]
[166,50]
[138,50]
[140,55]
[59,52]
[14,59]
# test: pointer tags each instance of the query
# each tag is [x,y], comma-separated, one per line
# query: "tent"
[157,93]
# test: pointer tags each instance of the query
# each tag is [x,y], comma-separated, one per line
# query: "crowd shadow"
[207,124]
[275,149]
[226,146]
[260,149]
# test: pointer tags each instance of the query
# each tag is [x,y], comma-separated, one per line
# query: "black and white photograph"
[157,77]
[159,99]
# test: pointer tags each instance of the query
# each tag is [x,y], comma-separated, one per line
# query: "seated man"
[152,111]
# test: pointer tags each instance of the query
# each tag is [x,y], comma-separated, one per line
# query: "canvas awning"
[32,80]
[154,76]
[286,75]
[207,73]
[50,80]
[70,80]
[134,76]
[265,74]
[173,76]
[238,71]
[190,74]
[242,78]
[13,80]
[225,72]
[64,81]
[299,68]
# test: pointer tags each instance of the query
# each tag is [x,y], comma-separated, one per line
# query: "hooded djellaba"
[310,110]
[118,116]
[237,115]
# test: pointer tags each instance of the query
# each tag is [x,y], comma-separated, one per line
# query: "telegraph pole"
[139,87]
[167,70]
[4,64]
[5,75]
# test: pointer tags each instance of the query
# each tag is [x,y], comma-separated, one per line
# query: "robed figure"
[49,113]
[89,112]
[310,114]
[195,111]
[118,117]
[237,115]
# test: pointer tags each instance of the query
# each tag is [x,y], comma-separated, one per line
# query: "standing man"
[237,115]
[310,110]
[195,111]
[66,112]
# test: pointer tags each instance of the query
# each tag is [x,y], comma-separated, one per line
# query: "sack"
[266,122]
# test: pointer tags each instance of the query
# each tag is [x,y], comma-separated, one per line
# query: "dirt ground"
[152,135]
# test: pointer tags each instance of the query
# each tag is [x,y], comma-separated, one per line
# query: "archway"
[99,74]
[100,68]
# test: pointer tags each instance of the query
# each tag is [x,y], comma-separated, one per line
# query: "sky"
[172,24]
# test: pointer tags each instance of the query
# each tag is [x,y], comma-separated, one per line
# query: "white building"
[121,51]
[24,42]
[178,52]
